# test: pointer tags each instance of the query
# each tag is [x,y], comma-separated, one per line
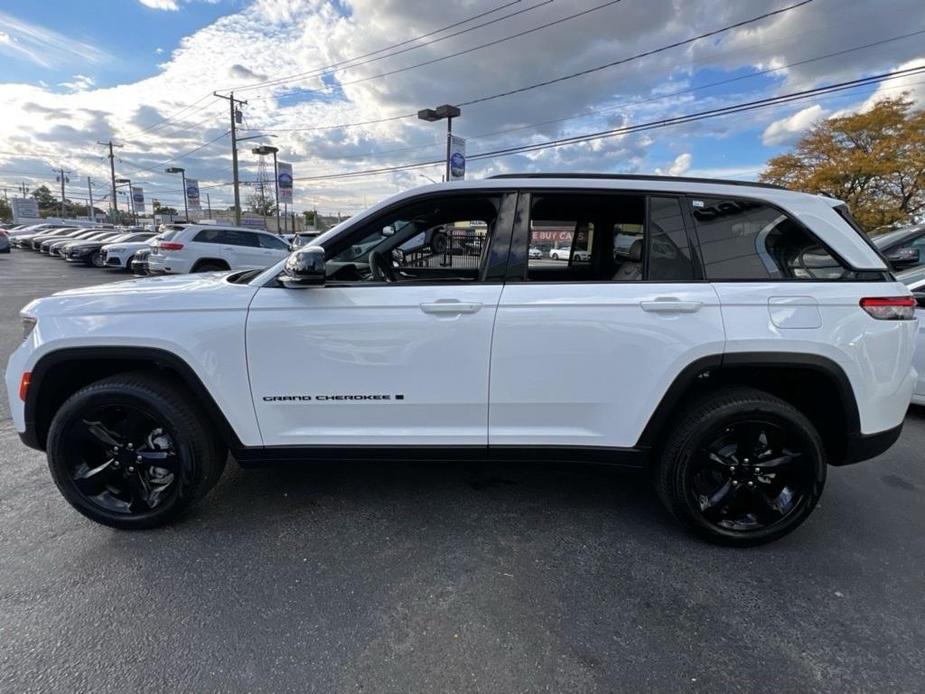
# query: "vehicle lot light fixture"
[432,115]
[180,170]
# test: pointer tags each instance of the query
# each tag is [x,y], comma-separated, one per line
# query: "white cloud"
[909,85]
[788,130]
[681,164]
[78,83]
[44,47]
[158,50]
[170,5]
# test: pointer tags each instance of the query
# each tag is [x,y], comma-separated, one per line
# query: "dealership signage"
[138,199]
[457,158]
[192,194]
[24,208]
[284,181]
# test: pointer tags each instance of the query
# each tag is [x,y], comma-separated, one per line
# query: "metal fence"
[460,248]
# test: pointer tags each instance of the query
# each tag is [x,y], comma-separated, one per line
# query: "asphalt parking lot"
[439,578]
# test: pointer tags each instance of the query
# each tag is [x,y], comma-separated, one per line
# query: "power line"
[573,75]
[651,125]
[472,49]
[328,68]
[175,158]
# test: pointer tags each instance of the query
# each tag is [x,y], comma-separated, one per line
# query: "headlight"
[28,325]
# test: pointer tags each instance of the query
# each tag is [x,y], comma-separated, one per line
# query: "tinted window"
[669,248]
[267,241]
[229,237]
[746,240]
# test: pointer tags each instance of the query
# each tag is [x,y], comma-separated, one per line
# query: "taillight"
[24,385]
[889,307]
[170,245]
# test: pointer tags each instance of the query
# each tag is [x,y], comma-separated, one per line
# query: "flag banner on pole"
[138,198]
[285,183]
[457,158]
[192,193]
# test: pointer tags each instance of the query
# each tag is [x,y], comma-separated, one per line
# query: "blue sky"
[142,72]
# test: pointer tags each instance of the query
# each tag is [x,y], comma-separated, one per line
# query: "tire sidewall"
[683,503]
[190,471]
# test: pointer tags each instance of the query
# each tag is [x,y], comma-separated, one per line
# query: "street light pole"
[432,115]
[182,172]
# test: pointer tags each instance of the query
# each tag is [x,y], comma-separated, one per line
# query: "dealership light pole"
[180,170]
[432,115]
[131,196]
[262,151]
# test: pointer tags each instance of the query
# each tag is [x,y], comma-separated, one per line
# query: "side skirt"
[273,455]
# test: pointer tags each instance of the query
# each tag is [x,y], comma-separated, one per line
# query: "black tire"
[707,481]
[210,267]
[196,457]
[96,259]
[438,243]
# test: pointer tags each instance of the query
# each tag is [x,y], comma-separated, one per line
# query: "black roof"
[641,177]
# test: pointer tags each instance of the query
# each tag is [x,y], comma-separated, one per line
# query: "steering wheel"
[381,267]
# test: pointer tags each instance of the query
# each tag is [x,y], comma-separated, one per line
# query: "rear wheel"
[96,259]
[131,452]
[742,468]
[210,267]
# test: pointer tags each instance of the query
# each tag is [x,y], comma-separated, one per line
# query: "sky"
[335,84]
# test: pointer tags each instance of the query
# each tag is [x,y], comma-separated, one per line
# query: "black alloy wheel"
[750,475]
[133,450]
[121,459]
[742,467]
[96,259]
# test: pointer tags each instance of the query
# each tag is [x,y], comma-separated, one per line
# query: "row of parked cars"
[172,249]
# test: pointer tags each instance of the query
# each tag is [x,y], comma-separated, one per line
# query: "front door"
[394,350]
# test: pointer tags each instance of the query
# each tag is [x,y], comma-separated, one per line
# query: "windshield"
[912,278]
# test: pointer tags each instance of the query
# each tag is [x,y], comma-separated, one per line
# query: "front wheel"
[96,259]
[131,452]
[742,468]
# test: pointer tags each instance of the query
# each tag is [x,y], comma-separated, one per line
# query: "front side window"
[749,240]
[271,242]
[438,239]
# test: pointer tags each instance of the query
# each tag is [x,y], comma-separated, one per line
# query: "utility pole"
[112,174]
[235,114]
[91,213]
[209,205]
[62,176]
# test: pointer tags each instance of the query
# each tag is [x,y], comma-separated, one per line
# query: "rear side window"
[748,240]
[669,248]
[229,237]
[267,241]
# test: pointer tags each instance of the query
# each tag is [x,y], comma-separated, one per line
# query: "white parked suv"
[752,338]
[207,247]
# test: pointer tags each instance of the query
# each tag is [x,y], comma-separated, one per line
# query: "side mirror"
[904,257]
[304,268]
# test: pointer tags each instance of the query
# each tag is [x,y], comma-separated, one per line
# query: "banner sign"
[192,193]
[24,208]
[457,158]
[284,181]
[138,199]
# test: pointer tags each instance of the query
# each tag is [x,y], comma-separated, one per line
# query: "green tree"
[48,204]
[6,212]
[874,161]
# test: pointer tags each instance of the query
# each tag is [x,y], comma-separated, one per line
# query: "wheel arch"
[814,384]
[60,373]
[204,261]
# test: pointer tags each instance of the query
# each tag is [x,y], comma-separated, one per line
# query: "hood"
[177,293]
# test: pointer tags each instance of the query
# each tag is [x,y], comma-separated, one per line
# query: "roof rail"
[642,177]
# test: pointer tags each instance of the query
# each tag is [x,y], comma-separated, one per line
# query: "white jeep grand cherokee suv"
[754,339]
[207,247]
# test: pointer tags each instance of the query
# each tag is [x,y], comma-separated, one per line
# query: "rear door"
[584,351]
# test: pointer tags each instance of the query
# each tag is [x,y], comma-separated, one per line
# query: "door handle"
[670,304]
[451,307]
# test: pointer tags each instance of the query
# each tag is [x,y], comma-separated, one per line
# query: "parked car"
[915,280]
[139,263]
[44,246]
[120,254]
[205,248]
[903,248]
[534,253]
[87,251]
[750,370]
[25,240]
[4,241]
[560,253]
[53,246]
